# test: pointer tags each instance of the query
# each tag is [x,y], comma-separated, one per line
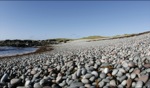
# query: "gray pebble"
[76,84]
[92,78]
[4,78]
[94,73]
[85,81]
[27,83]
[113,83]
[15,81]
[139,84]
[83,71]
[78,72]
[133,75]
[102,75]
[106,70]
[87,76]
[122,78]
[114,71]
[62,84]
[124,82]
[37,85]
[101,84]
[119,74]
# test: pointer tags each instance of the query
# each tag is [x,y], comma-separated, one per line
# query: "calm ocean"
[9,51]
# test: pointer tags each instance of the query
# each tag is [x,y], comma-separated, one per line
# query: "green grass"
[93,37]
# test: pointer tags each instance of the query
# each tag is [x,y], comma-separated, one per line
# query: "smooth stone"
[83,71]
[119,74]
[76,84]
[46,87]
[101,84]
[4,78]
[113,83]
[74,76]
[136,71]
[95,66]
[106,70]
[106,87]
[98,62]
[15,81]
[131,70]
[114,72]
[106,80]
[107,84]
[37,74]
[98,79]
[125,64]
[62,84]
[87,76]
[27,83]
[55,86]
[133,75]
[82,87]
[129,83]
[127,69]
[131,59]
[122,78]
[45,67]
[91,69]
[92,86]
[147,65]
[94,73]
[22,77]
[69,82]
[147,84]
[9,85]
[58,78]
[37,85]
[139,84]
[85,81]
[144,78]
[131,64]
[33,72]
[102,75]
[95,83]
[87,86]
[133,85]
[92,78]
[124,82]
[144,72]
[122,70]
[58,68]
[37,80]
[118,66]
[78,72]
[148,70]
[120,86]
[42,81]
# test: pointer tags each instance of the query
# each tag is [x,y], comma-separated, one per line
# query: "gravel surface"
[117,63]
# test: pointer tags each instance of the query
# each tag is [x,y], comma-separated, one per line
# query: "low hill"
[93,37]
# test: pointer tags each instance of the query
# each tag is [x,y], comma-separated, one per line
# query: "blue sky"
[72,19]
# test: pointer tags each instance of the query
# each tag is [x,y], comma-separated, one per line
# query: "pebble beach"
[115,63]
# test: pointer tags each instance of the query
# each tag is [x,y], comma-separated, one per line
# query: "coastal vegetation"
[32,43]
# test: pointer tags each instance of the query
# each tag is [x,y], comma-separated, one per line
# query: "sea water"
[9,51]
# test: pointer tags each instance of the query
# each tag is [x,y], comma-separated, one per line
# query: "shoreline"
[40,49]
[115,63]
